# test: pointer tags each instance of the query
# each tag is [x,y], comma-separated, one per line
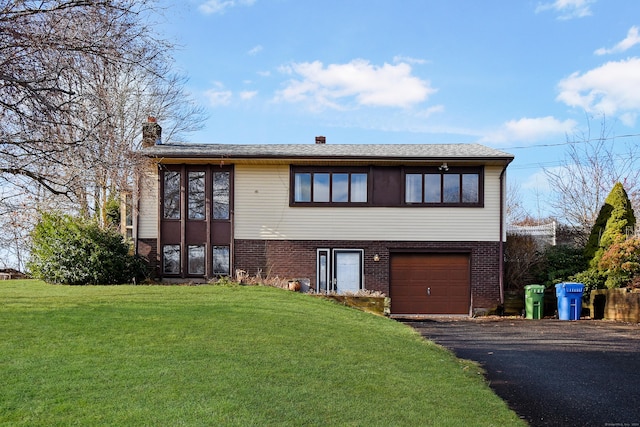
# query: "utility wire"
[582,141]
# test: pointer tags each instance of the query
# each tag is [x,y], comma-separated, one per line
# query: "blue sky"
[521,76]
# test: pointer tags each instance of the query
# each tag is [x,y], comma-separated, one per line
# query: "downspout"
[501,244]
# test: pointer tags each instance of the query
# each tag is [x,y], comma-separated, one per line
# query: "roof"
[329,151]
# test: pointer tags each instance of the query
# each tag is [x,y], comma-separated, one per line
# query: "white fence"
[543,233]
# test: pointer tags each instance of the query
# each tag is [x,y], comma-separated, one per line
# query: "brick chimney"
[151,133]
[321,140]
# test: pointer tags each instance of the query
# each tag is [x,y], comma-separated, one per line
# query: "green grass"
[217,355]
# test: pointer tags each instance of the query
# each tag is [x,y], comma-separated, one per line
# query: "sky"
[525,77]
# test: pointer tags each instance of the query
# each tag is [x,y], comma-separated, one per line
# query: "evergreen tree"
[621,218]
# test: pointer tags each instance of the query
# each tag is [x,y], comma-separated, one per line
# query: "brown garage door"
[430,284]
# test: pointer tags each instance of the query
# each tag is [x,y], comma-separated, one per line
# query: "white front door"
[347,270]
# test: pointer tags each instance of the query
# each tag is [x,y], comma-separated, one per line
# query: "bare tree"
[77,80]
[591,167]
[64,67]
[515,210]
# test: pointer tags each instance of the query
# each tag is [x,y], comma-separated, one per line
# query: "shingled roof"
[329,151]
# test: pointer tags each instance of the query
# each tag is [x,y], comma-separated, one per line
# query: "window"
[196,259]
[330,187]
[221,261]
[221,184]
[196,195]
[450,188]
[171,195]
[171,259]
[302,185]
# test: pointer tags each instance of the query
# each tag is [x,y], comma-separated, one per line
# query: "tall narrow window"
[196,259]
[451,188]
[359,187]
[302,184]
[470,188]
[340,187]
[432,188]
[323,284]
[171,196]
[171,259]
[413,188]
[221,260]
[221,185]
[321,188]
[196,195]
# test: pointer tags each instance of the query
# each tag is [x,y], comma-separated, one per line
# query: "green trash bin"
[534,301]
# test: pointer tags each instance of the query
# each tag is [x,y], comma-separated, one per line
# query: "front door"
[340,270]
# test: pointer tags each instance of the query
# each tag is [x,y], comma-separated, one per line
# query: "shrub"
[560,263]
[591,278]
[523,258]
[74,251]
[618,217]
[621,263]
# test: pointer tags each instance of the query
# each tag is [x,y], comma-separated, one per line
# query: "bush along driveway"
[552,372]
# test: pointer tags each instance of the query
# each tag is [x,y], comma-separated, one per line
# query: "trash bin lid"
[572,287]
[534,289]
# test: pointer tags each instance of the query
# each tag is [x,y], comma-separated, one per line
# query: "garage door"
[430,284]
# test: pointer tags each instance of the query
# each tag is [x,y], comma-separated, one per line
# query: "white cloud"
[529,130]
[359,81]
[218,96]
[408,60]
[539,181]
[630,41]
[425,114]
[568,9]
[248,94]
[220,6]
[255,50]
[611,88]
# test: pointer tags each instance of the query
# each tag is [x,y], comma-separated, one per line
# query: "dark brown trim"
[393,195]
[293,170]
[459,170]
[207,232]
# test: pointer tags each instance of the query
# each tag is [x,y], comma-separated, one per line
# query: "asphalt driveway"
[552,372]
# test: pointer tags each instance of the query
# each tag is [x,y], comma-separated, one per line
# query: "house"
[424,224]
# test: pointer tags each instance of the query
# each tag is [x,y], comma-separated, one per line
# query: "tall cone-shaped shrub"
[619,218]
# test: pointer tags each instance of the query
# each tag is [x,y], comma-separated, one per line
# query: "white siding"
[262,212]
[148,204]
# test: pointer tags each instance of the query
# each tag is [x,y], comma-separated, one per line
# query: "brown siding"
[297,259]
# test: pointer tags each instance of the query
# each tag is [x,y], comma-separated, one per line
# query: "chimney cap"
[321,140]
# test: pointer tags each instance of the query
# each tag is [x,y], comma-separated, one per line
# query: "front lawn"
[217,355]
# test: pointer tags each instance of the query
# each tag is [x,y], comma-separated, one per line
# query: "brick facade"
[297,259]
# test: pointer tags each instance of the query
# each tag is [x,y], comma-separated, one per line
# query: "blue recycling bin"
[569,300]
